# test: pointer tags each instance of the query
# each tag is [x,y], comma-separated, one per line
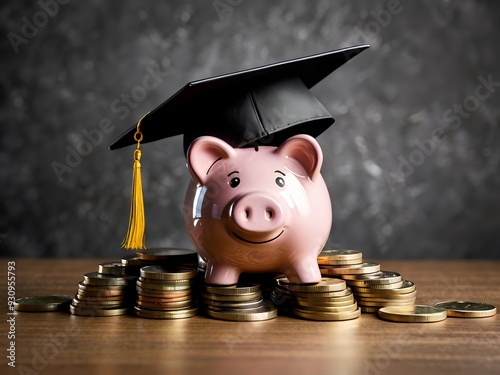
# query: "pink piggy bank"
[262,209]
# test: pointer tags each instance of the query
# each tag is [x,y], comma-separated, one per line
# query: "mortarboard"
[263,105]
[259,106]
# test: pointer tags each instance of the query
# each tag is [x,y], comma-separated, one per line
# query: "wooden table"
[52,343]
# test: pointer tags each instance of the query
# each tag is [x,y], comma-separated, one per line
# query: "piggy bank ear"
[304,153]
[203,153]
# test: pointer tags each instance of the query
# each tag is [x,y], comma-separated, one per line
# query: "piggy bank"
[261,209]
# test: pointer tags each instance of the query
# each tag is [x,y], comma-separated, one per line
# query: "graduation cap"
[259,106]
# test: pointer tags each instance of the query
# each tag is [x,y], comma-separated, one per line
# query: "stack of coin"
[281,297]
[379,289]
[336,263]
[102,295]
[243,303]
[165,293]
[372,288]
[330,299]
[168,257]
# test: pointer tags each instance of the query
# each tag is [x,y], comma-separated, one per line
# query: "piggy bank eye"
[280,182]
[234,182]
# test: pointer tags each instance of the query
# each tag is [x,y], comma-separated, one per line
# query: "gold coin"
[369,309]
[336,309]
[165,305]
[252,304]
[327,284]
[134,261]
[101,304]
[264,312]
[376,287]
[464,309]
[386,296]
[412,314]
[233,290]
[235,298]
[179,285]
[168,254]
[112,268]
[162,273]
[140,297]
[42,303]
[84,297]
[100,292]
[340,257]
[336,301]
[385,303]
[98,279]
[381,277]
[356,269]
[97,312]
[97,288]
[402,287]
[163,294]
[341,293]
[156,314]
[324,315]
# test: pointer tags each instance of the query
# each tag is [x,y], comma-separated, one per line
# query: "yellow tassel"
[135,238]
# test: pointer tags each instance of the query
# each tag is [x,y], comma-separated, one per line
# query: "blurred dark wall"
[412,162]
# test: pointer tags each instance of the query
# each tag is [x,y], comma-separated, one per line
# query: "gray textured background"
[426,57]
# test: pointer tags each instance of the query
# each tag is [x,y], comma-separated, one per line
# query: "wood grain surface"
[53,343]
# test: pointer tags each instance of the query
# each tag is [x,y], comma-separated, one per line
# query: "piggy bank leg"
[221,274]
[305,271]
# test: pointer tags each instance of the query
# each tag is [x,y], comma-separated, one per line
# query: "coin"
[132,261]
[42,303]
[148,285]
[165,305]
[412,314]
[382,277]
[339,257]
[326,284]
[169,254]
[386,296]
[324,315]
[265,312]
[376,287]
[252,304]
[233,290]
[341,293]
[94,304]
[84,297]
[322,308]
[464,309]
[357,269]
[103,292]
[97,312]
[97,288]
[163,294]
[323,303]
[235,298]
[160,299]
[368,289]
[98,279]
[112,268]
[162,273]
[157,314]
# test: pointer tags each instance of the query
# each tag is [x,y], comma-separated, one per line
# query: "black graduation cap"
[259,106]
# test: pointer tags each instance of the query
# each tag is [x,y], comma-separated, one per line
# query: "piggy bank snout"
[257,213]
